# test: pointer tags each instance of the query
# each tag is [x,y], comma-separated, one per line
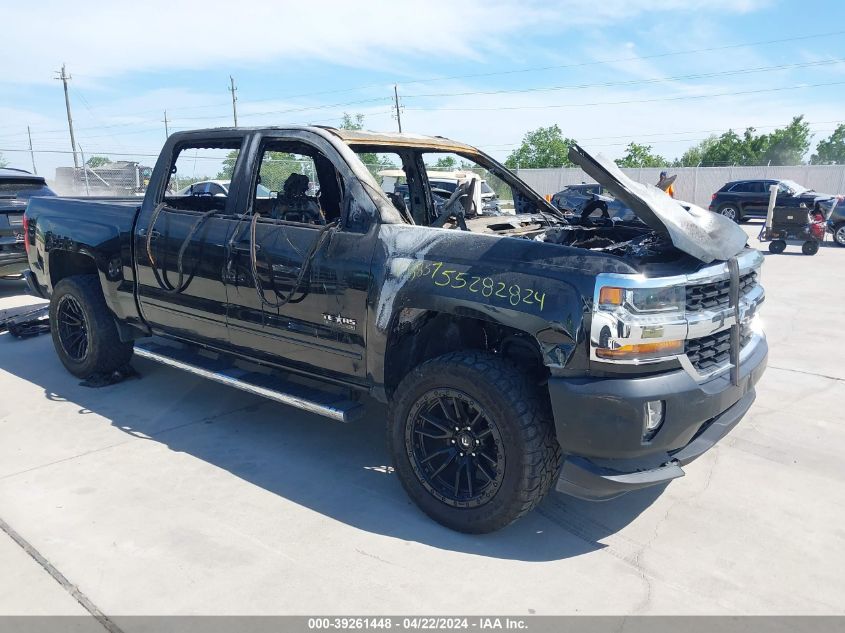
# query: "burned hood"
[704,235]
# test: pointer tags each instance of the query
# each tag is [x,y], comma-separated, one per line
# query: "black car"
[590,199]
[742,199]
[16,188]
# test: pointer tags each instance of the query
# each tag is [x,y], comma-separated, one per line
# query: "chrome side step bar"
[330,405]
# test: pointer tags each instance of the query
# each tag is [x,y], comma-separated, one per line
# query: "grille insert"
[717,294]
[708,353]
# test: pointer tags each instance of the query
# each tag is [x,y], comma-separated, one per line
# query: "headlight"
[644,300]
[641,324]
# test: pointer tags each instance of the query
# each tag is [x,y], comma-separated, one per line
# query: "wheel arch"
[419,335]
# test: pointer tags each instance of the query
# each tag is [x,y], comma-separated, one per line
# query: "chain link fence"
[696,184]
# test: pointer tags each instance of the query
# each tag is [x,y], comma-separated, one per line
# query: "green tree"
[97,161]
[543,147]
[352,122]
[3,162]
[228,167]
[830,150]
[374,162]
[787,146]
[783,146]
[637,155]
[445,163]
[694,156]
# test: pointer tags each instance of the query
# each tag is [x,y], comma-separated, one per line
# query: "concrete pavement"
[173,495]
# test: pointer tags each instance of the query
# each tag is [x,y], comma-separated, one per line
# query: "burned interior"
[411,185]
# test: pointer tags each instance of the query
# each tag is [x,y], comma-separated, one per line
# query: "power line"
[629,59]
[632,82]
[630,101]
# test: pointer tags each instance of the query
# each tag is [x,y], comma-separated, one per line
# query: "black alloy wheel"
[72,328]
[456,448]
[84,330]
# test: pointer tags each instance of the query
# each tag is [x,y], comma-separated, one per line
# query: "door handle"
[154,235]
[243,247]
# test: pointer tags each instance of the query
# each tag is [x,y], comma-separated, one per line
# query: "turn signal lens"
[642,350]
[610,296]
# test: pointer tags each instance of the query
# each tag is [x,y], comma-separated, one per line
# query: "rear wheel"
[472,443]
[84,333]
[731,212]
[839,234]
[777,246]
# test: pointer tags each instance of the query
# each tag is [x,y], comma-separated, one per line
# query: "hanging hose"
[322,234]
[161,279]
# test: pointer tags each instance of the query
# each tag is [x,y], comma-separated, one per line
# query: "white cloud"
[100,40]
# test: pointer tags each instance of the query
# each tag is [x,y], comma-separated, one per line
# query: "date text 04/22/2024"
[513,294]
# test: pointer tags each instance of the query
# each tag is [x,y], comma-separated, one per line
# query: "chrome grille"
[717,294]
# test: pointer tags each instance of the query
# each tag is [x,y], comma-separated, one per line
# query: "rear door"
[181,244]
[298,285]
[758,198]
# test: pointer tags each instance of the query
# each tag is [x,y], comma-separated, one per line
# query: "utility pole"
[396,105]
[31,153]
[166,129]
[233,90]
[64,78]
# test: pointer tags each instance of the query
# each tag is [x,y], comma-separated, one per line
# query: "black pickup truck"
[517,353]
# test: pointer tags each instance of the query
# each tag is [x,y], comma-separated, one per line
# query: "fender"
[534,287]
[104,237]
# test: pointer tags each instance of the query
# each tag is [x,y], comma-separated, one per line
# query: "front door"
[181,245]
[299,271]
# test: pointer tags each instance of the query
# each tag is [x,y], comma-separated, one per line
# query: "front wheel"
[839,234]
[84,333]
[472,442]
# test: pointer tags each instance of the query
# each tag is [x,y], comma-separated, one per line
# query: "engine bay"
[633,241]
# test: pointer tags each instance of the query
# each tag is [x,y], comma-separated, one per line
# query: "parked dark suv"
[16,188]
[742,199]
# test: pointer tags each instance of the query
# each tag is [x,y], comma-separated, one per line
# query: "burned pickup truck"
[517,353]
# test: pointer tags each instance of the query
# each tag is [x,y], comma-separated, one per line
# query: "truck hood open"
[704,235]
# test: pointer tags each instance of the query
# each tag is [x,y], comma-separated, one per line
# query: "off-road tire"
[105,351]
[522,417]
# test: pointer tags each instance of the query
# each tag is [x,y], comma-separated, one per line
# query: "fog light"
[654,414]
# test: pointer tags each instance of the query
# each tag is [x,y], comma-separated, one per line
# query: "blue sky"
[484,72]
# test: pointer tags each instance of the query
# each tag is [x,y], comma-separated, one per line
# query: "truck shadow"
[12,287]
[339,471]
